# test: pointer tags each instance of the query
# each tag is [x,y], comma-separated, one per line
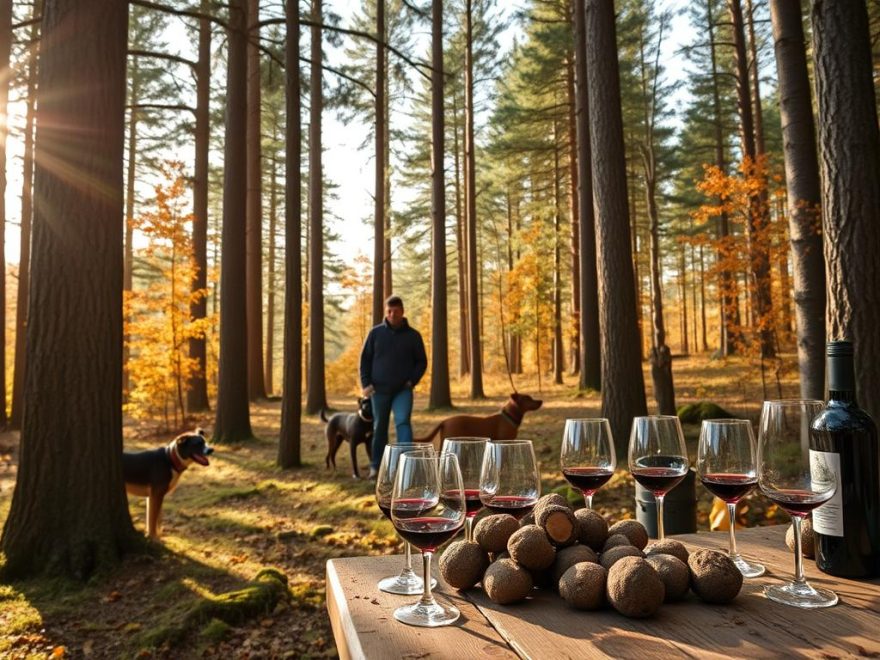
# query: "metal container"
[679,508]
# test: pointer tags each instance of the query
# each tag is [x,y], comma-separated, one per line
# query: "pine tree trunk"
[5,49]
[574,212]
[388,276]
[256,382]
[623,390]
[461,249]
[73,422]
[233,422]
[804,194]
[270,281]
[379,216]
[849,148]
[703,301]
[590,368]
[128,257]
[289,442]
[439,396]
[317,396]
[558,364]
[197,388]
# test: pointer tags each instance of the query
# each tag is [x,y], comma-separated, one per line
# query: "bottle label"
[828,518]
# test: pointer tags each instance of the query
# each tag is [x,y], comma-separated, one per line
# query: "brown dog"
[500,426]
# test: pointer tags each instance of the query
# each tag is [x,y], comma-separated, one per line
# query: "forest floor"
[226,522]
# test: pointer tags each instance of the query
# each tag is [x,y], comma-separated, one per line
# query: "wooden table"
[544,627]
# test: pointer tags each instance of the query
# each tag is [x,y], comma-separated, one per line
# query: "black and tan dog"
[356,427]
[154,473]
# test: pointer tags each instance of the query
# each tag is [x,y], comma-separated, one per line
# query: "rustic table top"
[544,627]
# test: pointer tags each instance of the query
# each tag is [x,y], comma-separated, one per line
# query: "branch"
[161,106]
[164,56]
[30,21]
[191,13]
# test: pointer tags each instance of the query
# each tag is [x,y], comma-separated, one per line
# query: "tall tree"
[317,396]
[60,523]
[804,199]
[590,368]
[849,151]
[379,257]
[623,391]
[5,49]
[233,416]
[439,396]
[291,402]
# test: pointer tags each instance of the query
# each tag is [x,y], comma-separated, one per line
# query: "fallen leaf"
[88,647]
[59,652]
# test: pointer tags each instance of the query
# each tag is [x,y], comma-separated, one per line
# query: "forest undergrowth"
[242,514]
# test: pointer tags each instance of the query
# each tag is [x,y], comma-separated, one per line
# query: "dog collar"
[366,419]
[177,463]
[510,418]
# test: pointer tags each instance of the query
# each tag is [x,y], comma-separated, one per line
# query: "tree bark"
[233,422]
[804,196]
[128,257]
[557,261]
[590,368]
[270,280]
[5,49]
[379,222]
[463,353]
[574,211]
[289,443]
[849,149]
[623,390]
[439,396]
[317,395]
[61,523]
[197,388]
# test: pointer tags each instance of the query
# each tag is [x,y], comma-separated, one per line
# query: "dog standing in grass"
[357,428]
[154,473]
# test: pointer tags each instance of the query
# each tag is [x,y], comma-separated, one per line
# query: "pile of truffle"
[589,563]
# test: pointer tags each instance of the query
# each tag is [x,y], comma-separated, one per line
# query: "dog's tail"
[324,415]
[430,437]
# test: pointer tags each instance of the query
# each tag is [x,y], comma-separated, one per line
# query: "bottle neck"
[841,379]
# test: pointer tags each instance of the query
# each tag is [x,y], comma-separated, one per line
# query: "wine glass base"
[405,584]
[800,595]
[747,568]
[427,616]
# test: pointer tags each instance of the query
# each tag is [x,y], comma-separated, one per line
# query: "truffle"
[714,576]
[616,540]
[631,529]
[592,528]
[568,557]
[808,543]
[507,582]
[583,586]
[528,519]
[559,524]
[668,547]
[463,563]
[674,573]
[492,532]
[530,547]
[613,555]
[634,588]
[550,499]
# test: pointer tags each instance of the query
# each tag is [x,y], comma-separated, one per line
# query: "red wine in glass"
[587,479]
[798,502]
[385,508]
[428,533]
[515,505]
[472,501]
[660,480]
[729,487]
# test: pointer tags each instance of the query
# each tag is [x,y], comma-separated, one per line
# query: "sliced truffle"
[634,588]
[559,524]
[463,563]
[674,573]
[808,543]
[714,576]
[492,532]
[583,586]
[668,547]
[615,554]
[507,582]
[592,528]
[550,499]
[616,540]
[530,547]
[568,557]
[631,529]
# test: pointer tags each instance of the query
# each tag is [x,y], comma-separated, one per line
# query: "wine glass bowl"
[470,453]
[587,455]
[727,467]
[798,481]
[428,509]
[509,480]
[657,457]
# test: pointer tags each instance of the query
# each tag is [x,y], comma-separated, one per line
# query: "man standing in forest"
[393,361]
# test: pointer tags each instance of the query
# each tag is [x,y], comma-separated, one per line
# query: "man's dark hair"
[394,301]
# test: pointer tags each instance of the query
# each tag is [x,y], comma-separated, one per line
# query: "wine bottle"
[843,437]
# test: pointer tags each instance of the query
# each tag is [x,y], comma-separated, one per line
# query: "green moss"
[215,631]
[694,413]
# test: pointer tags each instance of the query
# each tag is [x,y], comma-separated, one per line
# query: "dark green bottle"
[847,527]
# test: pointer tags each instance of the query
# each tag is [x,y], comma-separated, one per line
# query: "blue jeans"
[401,404]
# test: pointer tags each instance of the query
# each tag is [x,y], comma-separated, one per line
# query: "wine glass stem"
[408,553]
[659,499]
[427,598]
[469,529]
[588,500]
[731,516]
[798,554]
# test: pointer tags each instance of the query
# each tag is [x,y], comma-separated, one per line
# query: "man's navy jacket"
[391,358]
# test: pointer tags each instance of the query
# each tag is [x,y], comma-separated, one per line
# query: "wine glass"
[727,464]
[407,582]
[657,457]
[428,509]
[798,480]
[509,480]
[470,460]
[587,456]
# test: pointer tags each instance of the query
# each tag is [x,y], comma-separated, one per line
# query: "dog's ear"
[200,431]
